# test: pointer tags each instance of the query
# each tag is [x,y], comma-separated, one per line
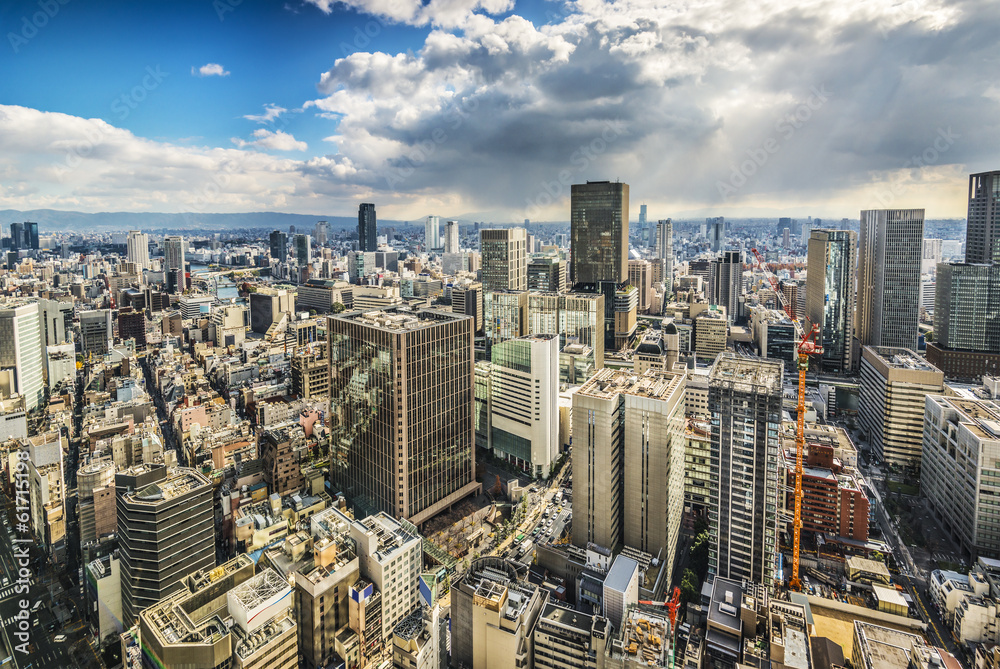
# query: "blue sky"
[492,108]
[90,54]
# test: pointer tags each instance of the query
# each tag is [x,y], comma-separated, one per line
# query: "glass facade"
[830,294]
[967,307]
[890,249]
[401,409]
[599,232]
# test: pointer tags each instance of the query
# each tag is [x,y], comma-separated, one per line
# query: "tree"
[337,308]
[699,554]
[689,587]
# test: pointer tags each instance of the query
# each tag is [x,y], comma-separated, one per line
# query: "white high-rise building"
[665,252]
[451,237]
[138,248]
[524,420]
[432,233]
[173,253]
[21,363]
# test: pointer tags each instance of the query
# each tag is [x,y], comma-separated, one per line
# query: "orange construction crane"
[671,605]
[810,343]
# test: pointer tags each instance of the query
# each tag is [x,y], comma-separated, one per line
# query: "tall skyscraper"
[303,253]
[137,248]
[665,251]
[889,252]
[432,233]
[321,232]
[166,530]
[367,227]
[716,232]
[401,404]
[451,237]
[832,256]
[504,258]
[279,245]
[725,283]
[17,237]
[173,260]
[599,233]
[643,230]
[628,460]
[21,351]
[744,399]
[966,320]
[982,232]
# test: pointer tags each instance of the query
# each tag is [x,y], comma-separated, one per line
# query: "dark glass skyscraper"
[890,248]
[279,245]
[367,227]
[982,231]
[599,232]
[401,405]
[830,294]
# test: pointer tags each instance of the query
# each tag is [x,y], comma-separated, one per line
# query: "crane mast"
[810,343]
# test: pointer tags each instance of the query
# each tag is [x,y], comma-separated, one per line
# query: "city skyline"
[394,107]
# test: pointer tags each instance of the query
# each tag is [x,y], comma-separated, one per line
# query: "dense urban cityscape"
[625,442]
[499,334]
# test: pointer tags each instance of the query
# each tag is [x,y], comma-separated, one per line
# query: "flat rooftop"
[177,483]
[754,373]
[399,319]
[903,358]
[568,618]
[655,384]
[886,648]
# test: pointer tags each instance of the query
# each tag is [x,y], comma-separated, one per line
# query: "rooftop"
[644,637]
[757,373]
[399,319]
[655,384]
[179,482]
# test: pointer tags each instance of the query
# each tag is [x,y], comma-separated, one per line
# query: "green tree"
[690,592]
[337,308]
[699,554]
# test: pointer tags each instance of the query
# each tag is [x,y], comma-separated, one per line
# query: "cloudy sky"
[492,107]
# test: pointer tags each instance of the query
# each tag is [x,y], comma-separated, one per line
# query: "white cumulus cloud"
[275,141]
[210,70]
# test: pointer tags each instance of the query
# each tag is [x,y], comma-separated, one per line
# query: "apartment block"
[505,315]
[745,405]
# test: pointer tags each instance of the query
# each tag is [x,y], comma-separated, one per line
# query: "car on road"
[59,638]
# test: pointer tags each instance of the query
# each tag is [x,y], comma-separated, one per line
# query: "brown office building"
[401,404]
